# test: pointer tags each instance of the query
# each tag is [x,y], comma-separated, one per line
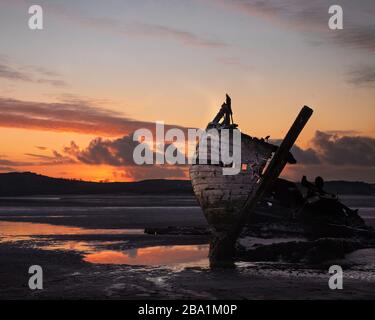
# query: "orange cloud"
[79,116]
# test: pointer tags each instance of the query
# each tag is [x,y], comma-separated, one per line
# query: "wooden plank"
[275,167]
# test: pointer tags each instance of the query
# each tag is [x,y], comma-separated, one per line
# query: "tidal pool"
[158,255]
[43,236]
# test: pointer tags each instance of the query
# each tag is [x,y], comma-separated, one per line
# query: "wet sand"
[98,252]
[67,276]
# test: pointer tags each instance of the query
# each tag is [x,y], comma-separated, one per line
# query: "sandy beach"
[94,247]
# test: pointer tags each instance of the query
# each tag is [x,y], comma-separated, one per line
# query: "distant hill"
[350,187]
[28,183]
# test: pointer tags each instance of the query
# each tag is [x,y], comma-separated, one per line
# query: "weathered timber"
[277,164]
[222,245]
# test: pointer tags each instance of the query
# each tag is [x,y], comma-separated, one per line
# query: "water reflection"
[41,236]
[79,246]
[14,229]
[159,255]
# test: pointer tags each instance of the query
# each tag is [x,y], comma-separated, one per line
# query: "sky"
[72,94]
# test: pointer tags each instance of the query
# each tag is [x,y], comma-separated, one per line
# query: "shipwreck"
[255,203]
[228,200]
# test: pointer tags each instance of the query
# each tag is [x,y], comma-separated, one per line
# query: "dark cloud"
[363,76]
[335,155]
[41,147]
[345,150]
[54,159]
[82,116]
[29,74]
[312,16]
[336,148]
[362,37]
[5,162]
[303,156]
[119,153]
[6,169]
[12,74]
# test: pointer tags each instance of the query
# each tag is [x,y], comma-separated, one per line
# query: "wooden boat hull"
[227,200]
[222,197]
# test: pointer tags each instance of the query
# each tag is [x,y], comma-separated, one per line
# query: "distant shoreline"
[28,183]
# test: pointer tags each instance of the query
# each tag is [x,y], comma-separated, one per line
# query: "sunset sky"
[72,94]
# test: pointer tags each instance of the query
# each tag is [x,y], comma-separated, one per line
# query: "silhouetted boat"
[223,196]
[227,199]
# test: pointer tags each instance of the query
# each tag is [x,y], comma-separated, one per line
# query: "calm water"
[45,227]
[158,255]
[9,230]
[41,236]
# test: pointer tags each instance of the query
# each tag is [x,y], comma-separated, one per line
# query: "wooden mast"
[222,252]
[276,165]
